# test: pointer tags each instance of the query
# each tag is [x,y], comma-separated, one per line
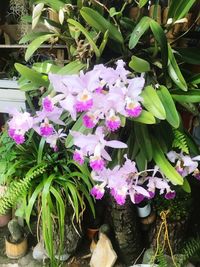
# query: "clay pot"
[91,232]
[5,218]
[16,250]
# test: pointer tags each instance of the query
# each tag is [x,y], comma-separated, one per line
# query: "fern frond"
[180,141]
[161,259]
[18,188]
[191,248]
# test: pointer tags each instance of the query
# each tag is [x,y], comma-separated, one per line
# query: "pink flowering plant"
[110,108]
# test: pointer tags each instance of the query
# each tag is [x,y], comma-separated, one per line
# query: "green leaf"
[46,67]
[73,67]
[32,202]
[191,96]
[94,19]
[87,35]
[140,161]
[195,79]
[152,102]
[189,55]
[36,78]
[35,44]
[139,64]
[178,9]
[142,3]
[56,5]
[172,115]
[31,36]
[174,71]
[186,186]
[164,164]
[160,37]
[40,150]
[139,30]
[143,139]
[145,117]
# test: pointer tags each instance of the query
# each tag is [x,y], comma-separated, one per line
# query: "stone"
[39,252]
[149,253]
[25,260]
[15,230]
[103,254]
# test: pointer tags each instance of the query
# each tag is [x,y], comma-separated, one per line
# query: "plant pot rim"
[7,237]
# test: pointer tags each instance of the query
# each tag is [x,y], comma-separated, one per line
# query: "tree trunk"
[126,234]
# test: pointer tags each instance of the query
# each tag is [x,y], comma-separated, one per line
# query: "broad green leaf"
[139,64]
[94,19]
[32,75]
[172,115]
[31,36]
[186,186]
[174,71]
[139,30]
[142,3]
[152,102]
[164,164]
[191,96]
[195,79]
[160,37]
[145,117]
[141,161]
[72,68]
[87,35]
[35,44]
[178,9]
[143,139]
[46,67]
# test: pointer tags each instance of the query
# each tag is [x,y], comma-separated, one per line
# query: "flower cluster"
[184,164]
[103,93]
[102,97]
[126,180]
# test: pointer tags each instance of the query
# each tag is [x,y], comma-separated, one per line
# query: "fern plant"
[18,188]
[191,249]
[180,141]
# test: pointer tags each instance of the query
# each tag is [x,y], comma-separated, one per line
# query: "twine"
[163,227]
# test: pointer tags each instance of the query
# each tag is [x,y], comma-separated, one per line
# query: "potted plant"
[123,114]
[16,241]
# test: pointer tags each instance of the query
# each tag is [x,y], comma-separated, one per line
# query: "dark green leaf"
[94,19]
[164,164]
[174,71]
[172,115]
[178,9]
[189,55]
[144,141]
[160,37]
[186,186]
[191,96]
[139,30]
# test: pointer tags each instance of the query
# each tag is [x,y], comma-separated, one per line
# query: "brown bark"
[125,228]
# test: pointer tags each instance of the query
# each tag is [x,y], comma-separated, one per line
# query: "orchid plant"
[105,100]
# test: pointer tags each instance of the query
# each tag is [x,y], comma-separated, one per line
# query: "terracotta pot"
[91,233]
[16,250]
[5,218]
